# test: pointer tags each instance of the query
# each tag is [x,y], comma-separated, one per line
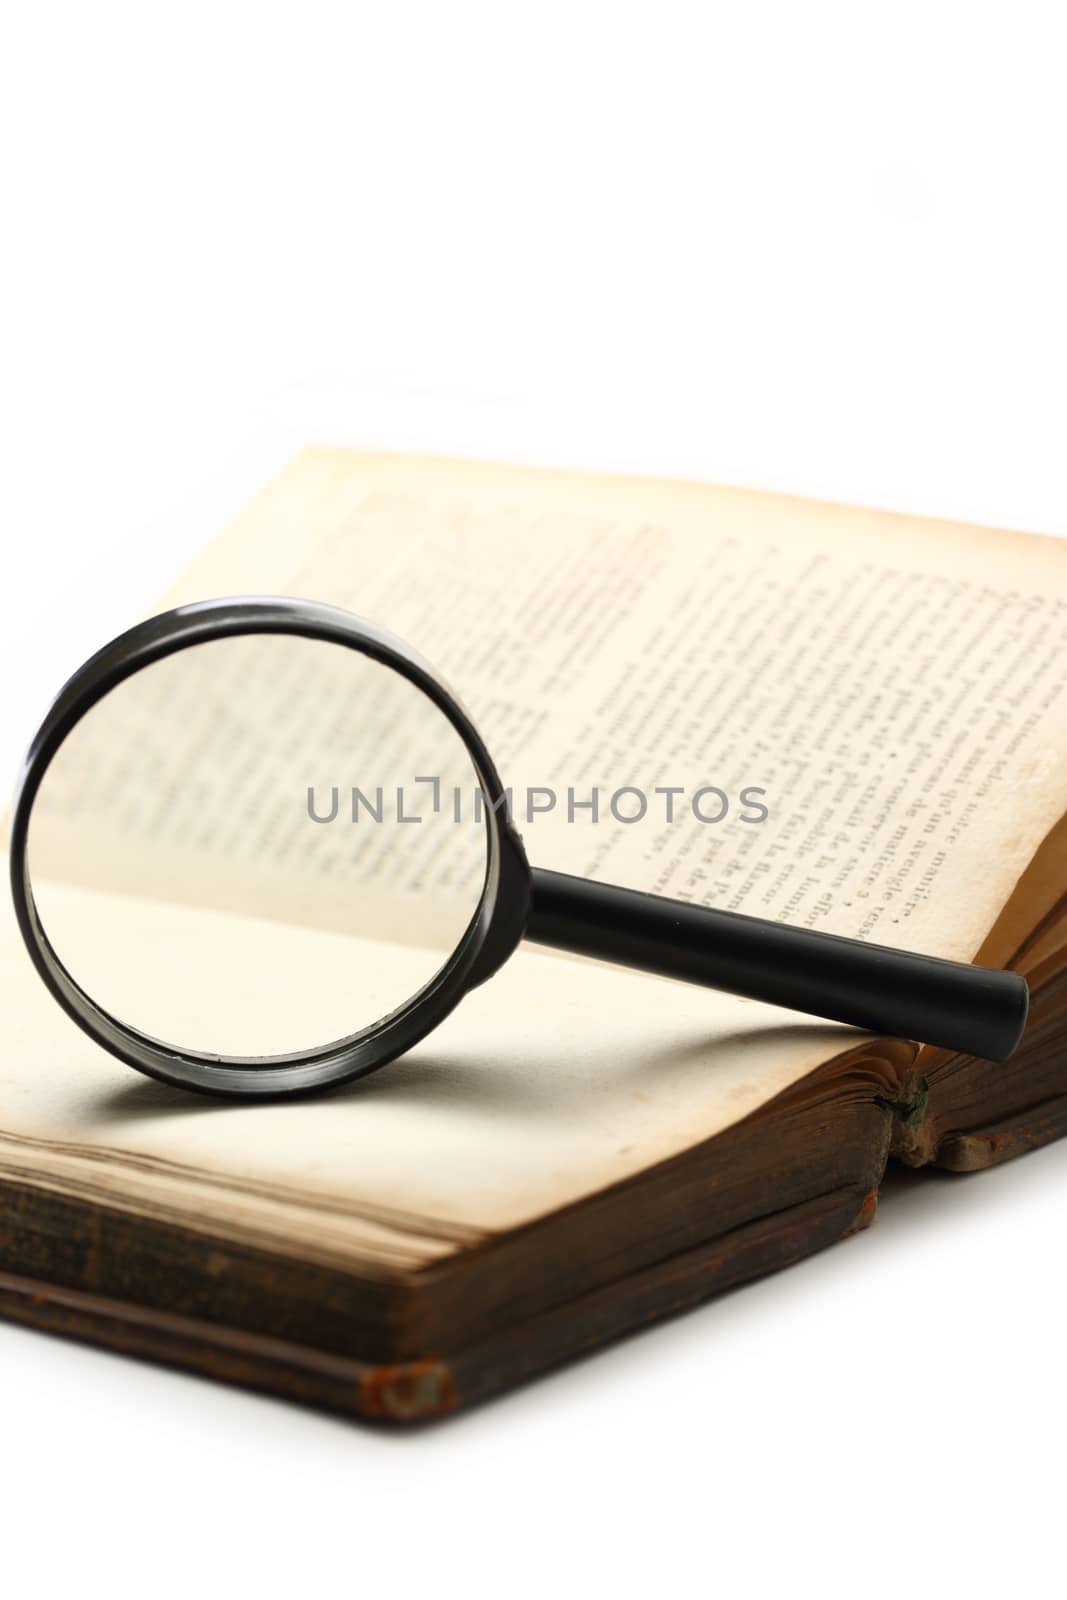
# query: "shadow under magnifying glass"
[445,1082]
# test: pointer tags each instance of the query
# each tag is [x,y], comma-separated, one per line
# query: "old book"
[578,1150]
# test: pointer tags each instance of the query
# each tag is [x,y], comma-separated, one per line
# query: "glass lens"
[258,846]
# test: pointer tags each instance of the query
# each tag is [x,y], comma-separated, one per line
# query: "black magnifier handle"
[975,1010]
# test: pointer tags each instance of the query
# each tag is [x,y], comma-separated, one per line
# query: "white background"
[813,247]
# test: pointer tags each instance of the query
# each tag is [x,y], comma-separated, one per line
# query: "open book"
[578,1149]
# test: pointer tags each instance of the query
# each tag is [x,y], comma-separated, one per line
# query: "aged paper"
[837,718]
[555,1080]
[892,687]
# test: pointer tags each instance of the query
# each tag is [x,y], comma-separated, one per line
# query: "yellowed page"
[552,1081]
[890,689]
[895,686]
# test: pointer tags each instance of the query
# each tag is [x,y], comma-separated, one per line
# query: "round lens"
[258,846]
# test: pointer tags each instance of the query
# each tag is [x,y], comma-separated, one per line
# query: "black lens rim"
[492,933]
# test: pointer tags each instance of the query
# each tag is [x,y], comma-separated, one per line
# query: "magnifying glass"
[259,848]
